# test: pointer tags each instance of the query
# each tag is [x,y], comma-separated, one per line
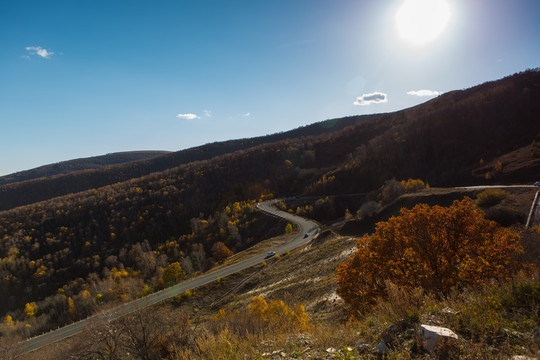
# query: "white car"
[270,254]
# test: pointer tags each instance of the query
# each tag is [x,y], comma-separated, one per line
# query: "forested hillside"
[447,140]
[454,133]
[35,190]
[66,167]
[67,255]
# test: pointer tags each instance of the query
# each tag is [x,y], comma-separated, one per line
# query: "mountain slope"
[66,167]
[460,129]
[35,190]
[454,139]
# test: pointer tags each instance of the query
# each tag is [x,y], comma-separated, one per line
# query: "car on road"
[306,235]
[270,254]
[537,183]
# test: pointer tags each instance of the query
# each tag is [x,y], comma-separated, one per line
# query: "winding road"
[306,227]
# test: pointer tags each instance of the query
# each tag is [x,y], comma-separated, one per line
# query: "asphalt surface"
[308,230]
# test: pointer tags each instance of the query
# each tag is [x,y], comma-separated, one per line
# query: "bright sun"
[422,21]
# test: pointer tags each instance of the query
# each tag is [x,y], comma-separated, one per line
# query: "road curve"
[306,227]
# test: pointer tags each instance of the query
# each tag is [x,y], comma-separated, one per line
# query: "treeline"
[35,190]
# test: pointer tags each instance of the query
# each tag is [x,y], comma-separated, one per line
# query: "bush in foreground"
[433,248]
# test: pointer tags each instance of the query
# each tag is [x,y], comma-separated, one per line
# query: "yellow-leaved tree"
[172,274]
[30,309]
[434,248]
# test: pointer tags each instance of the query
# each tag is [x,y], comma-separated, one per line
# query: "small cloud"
[188,116]
[372,98]
[247,114]
[207,113]
[39,51]
[424,92]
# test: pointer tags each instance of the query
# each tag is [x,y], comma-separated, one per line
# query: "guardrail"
[532,212]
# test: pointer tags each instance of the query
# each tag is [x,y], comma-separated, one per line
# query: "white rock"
[330,350]
[430,335]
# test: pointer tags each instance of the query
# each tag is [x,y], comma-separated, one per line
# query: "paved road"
[480,187]
[306,227]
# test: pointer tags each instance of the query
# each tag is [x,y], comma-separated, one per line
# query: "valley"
[188,233]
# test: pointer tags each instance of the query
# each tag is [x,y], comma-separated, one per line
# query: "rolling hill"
[70,166]
[453,139]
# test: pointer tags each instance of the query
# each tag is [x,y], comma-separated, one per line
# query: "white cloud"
[207,113]
[39,51]
[371,98]
[424,92]
[188,116]
[247,114]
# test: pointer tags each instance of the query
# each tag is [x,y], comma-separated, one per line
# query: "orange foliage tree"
[434,248]
[220,251]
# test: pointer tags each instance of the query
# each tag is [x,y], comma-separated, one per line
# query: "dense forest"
[119,232]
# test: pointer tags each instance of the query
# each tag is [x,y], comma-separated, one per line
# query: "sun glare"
[422,21]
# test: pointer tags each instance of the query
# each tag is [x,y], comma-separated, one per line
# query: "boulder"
[362,347]
[382,348]
[431,335]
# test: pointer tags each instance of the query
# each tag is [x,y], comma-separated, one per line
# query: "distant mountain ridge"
[13,194]
[70,166]
[448,140]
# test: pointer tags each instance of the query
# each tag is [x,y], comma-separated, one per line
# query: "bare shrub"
[391,190]
[368,209]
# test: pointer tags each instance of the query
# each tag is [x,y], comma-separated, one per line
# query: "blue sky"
[82,78]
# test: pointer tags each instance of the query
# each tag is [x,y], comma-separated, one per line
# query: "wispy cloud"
[39,51]
[371,98]
[188,116]
[424,92]
[247,114]
[207,113]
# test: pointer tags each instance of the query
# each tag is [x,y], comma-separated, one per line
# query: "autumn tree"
[413,185]
[262,316]
[30,309]
[173,274]
[434,248]
[220,251]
